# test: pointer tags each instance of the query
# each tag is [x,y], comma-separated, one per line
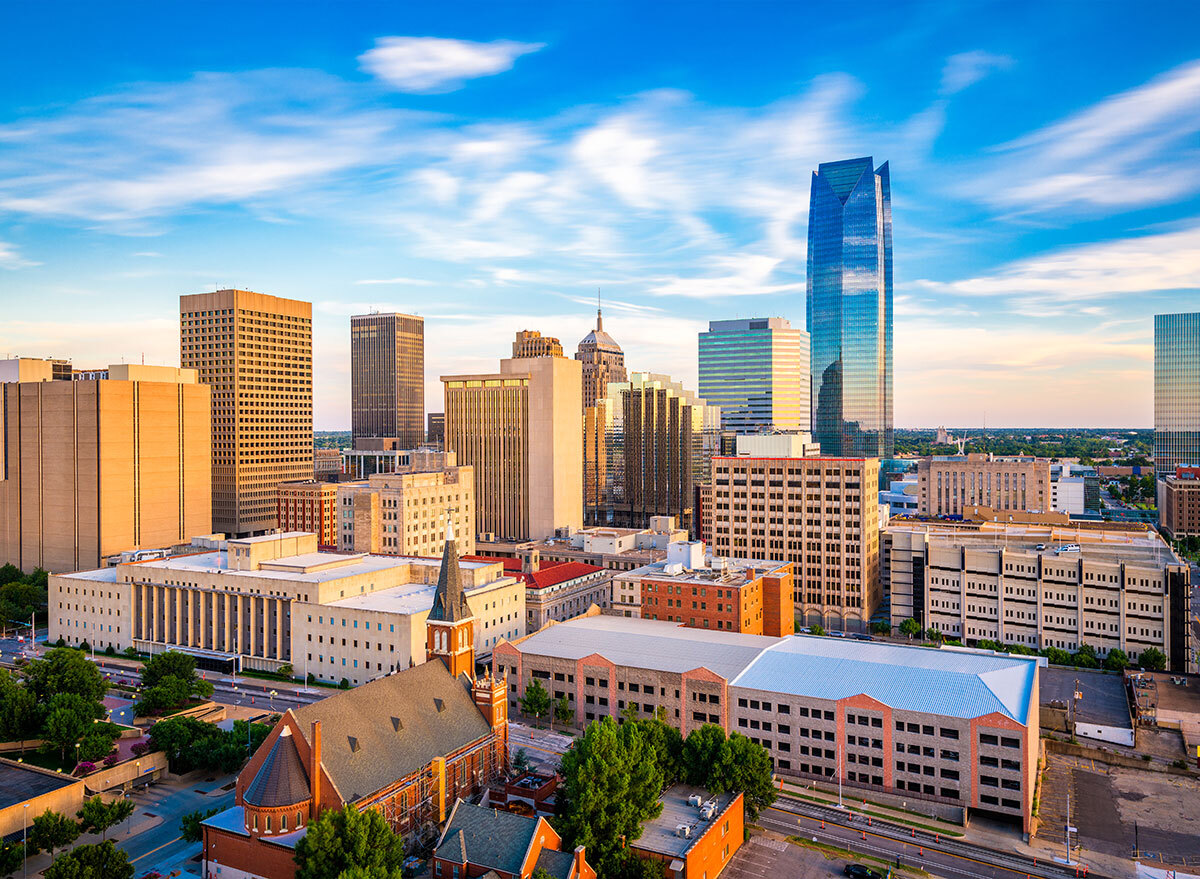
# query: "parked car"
[836,634]
[858,871]
[862,637]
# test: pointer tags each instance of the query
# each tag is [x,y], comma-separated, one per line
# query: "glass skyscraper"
[850,308]
[757,372]
[1176,391]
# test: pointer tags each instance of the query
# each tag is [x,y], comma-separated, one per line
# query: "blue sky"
[489,166]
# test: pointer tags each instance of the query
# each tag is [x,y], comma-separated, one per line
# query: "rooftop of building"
[725,572]
[661,835]
[954,683]
[1097,544]
[485,837]
[549,573]
[20,782]
[1103,701]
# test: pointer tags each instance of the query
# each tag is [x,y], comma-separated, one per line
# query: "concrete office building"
[952,726]
[849,308]
[309,506]
[1041,586]
[658,439]
[821,514]
[531,343]
[1179,503]
[405,512]
[948,484]
[387,377]
[255,352]
[757,371]
[693,589]
[327,464]
[1075,490]
[91,468]
[1176,391]
[603,362]
[34,369]
[264,602]
[520,431]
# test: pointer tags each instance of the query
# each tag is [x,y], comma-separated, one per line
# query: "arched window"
[268,824]
[283,823]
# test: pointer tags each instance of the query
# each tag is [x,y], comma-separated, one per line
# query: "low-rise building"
[1179,503]
[556,591]
[954,726]
[615,549]
[1042,586]
[692,589]
[265,602]
[479,841]
[26,791]
[327,464]
[309,506]
[950,482]
[695,834]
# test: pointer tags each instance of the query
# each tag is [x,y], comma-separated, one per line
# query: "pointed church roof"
[449,601]
[282,779]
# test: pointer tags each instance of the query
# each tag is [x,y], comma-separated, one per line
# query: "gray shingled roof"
[557,864]
[449,600]
[282,779]
[375,734]
[486,838]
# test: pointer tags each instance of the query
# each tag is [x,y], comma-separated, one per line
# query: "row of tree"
[52,831]
[193,744]
[169,680]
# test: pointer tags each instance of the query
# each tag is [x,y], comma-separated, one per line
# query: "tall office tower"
[92,468]
[757,372]
[520,429]
[255,351]
[531,343]
[603,362]
[1176,391]
[658,439]
[850,308]
[387,377]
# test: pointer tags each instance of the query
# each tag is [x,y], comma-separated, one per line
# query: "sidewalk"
[853,801]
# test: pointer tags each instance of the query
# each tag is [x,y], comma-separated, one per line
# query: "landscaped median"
[877,811]
[833,852]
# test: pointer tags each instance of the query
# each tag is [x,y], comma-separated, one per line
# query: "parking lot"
[766,858]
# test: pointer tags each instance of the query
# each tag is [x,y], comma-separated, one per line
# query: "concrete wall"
[67,800]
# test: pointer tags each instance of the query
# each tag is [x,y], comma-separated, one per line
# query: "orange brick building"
[695,835]
[309,506]
[481,841]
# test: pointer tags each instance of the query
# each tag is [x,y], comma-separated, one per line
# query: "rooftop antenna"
[599,317]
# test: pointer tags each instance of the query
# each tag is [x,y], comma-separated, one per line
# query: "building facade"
[255,352]
[603,362]
[555,590]
[820,514]
[265,602]
[692,589]
[1042,587]
[1179,503]
[949,484]
[531,343]
[309,506]
[34,369]
[1176,391]
[520,430]
[387,377]
[405,512]
[657,439]
[757,371]
[955,727]
[435,429]
[713,827]
[92,468]
[849,308]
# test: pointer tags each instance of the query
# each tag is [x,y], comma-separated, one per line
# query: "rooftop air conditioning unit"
[684,831]
[695,800]
[708,811]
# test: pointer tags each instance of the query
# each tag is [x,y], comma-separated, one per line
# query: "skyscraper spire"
[599,318]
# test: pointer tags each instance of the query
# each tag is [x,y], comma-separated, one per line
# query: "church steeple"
[450,626]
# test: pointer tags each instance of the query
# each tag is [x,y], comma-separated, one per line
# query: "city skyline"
[490,174]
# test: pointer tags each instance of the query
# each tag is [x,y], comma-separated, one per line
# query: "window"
[949,733]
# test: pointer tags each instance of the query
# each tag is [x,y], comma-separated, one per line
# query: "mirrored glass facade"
[850,308]
[1176,391]
[757,372]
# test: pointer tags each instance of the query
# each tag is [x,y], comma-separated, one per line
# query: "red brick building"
[309,506]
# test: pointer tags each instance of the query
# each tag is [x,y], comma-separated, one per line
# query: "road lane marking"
[153,850]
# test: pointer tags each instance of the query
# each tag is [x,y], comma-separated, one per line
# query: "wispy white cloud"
[404,282]
[967,68]
[1134,149]
[434,64]
[10,257]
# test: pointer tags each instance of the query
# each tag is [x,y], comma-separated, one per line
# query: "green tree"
[933,633]
[881,628]
[168,664]
[540,873]
[101,861]
[536,700]
[563,712]
[10,573]
[12,856]
[729,765]
[97,816]
[1117,660]
[342,839]
[64,670]
[911,628]
[170,680]
[20,718]
[817,629]
[51,831]
[380,873]
[665,742]
[98,741]
[1056,656]
[1085,657]
[63,727]
[189,826]
[1152,659]
[611,784]
[520,761]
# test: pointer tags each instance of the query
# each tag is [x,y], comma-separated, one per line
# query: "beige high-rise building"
[948,484]
[531,343]
[255,351]
[521,431]
[387,377]
[603,362]
[405,512]
[820,513]
[91,468]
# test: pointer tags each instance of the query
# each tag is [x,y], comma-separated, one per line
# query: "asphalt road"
[162,844]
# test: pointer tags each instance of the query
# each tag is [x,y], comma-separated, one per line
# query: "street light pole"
[25,838]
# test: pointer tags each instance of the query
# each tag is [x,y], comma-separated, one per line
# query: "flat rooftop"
[735,574]
[660,835]
[20,782]
[1104,702]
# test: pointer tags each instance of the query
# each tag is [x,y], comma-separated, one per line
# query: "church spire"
[449,601]
[450,627]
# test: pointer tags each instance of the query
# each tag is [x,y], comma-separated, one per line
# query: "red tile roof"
[549,573]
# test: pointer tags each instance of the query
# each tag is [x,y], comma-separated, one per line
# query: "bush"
[110,650]
[84,768]
[344,684]
[140,749]
[112,760]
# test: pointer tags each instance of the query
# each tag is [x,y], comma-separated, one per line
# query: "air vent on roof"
[439,704]
[396,724]
[353,744]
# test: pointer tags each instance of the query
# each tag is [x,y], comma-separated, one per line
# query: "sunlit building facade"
[1176,391]
[757,371]
[850,307]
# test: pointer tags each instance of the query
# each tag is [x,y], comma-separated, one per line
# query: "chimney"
[314,774]
[579,857]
